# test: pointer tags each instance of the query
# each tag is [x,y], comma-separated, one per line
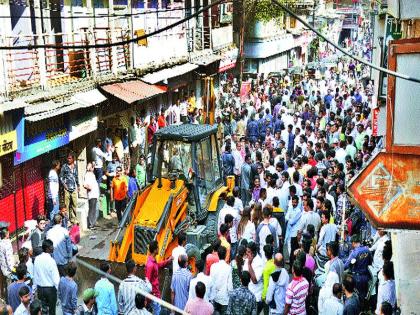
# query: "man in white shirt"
[178,251]
[53,188]
[333,304]
[309,217]
[238,159]
[378,247]
[277,283]
[98,157]
[202,278]
[268,226]
[63,249]
[327,234]
[221,282]
[255,266]
[46,277]
[91,185]
[25,298]
[229,209]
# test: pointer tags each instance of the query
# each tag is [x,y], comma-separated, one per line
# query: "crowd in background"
[289,239]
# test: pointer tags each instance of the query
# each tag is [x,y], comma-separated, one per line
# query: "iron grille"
[142,238]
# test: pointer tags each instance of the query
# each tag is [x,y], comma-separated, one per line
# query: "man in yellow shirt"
[268,268]
[119,190]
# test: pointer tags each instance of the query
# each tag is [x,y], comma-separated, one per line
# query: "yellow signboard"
[8,142]
[139,33]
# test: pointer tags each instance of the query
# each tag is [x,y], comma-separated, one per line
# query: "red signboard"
[375,121]
[245,89]
[388,191]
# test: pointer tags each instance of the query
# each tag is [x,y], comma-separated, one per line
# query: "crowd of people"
[289,239]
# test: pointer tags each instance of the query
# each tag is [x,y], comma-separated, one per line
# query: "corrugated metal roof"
[89,98]
[165,74]
[36,112]
[11,105]
[133,91]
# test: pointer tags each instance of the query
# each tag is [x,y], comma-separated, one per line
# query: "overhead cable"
[96,15]
[387,71]
[138,290]
[119,43]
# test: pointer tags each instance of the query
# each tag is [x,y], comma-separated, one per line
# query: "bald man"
[180,284]
[276,292]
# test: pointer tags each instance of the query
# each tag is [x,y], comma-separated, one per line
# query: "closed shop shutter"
[30,196]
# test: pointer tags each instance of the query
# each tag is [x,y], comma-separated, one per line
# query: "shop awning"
[133,91]
[206,59]
[168,73]
[40,111]
[89,98]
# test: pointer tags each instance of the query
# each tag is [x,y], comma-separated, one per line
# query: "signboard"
[245,89]
[82,127]
[41,138]
[228,60]
[8,142]
[388,191]
[375,115]
[392,32]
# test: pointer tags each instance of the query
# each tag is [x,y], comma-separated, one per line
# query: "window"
[208,168]
[172,156]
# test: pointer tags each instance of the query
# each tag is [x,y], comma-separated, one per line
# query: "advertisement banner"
[8,142]
[245,89]
[375,115]
[41,138]
[82,127]
[228,60]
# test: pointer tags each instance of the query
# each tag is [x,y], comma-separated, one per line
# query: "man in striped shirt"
[296,292]
[180,284]
[128,288]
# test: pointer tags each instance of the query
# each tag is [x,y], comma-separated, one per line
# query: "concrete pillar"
[91,38]
[113,36]
[6,28]
[40,40]
[406,257]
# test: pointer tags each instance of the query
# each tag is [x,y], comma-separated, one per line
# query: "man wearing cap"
[359,260]
[88,307]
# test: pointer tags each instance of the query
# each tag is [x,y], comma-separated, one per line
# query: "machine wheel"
[192,251]
[211,223]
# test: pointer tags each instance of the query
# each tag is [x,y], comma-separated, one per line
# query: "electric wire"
[119,43]
[138,290]
[378,68]
[97,15]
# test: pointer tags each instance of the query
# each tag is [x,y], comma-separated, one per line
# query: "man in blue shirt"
[67,290]
[180,284]
[252,130]
[13,297]
[362,258]
[228,161]
[106,300]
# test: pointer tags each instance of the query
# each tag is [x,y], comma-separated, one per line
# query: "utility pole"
[241,40]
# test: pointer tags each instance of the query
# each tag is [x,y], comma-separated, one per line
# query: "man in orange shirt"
[161,120]
[119,190]
[224,232]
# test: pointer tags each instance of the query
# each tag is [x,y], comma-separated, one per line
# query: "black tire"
[193,251]
[211,222]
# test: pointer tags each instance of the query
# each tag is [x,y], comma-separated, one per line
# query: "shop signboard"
[82,127]
[375,122]
[228,60]
[8,142]
[41,137]
[392,32]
